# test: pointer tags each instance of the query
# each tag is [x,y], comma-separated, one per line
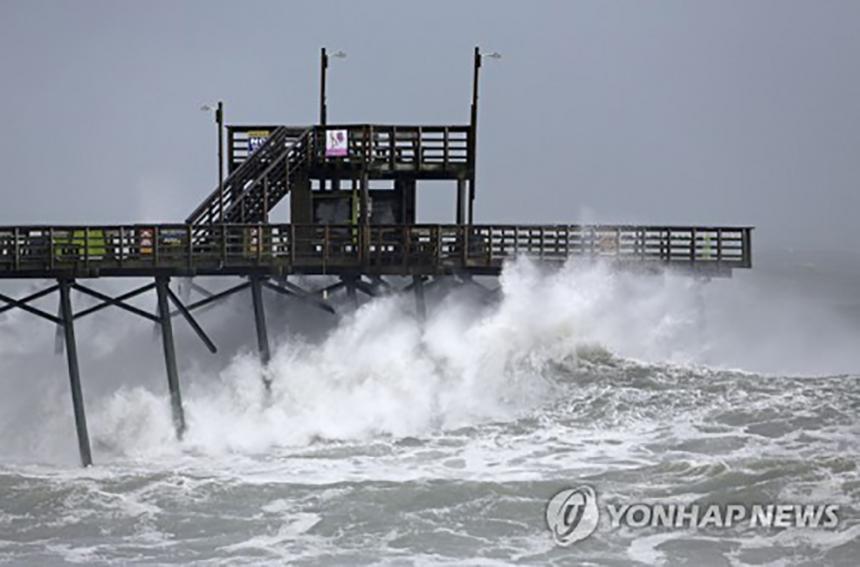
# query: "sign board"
[336,143]
[257,138]
[146,240]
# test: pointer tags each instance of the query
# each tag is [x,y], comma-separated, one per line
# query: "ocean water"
[388,442]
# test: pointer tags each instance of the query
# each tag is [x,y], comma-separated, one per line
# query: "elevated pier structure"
[360,255]
[352,198]
[328,172]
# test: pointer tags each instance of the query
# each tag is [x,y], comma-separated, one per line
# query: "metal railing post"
[87,247]
[51,248]
[392,144]
[121,245]
[719,246]
[155,245]
[445,148]
[693,245]
[419,150]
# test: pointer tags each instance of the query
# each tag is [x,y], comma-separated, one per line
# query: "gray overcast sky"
[730,112]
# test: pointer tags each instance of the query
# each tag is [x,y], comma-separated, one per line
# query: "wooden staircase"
[256,186]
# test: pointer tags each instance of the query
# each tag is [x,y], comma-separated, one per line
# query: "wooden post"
[16,247]
[351,294]
[461,201]
[365,200]
[68,319]
[161,287]
[219,119]
[747,245]
[260,324]
[323,68]
[473,135]
[420,304]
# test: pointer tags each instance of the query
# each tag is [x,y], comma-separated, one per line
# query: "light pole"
[474,123]
[323,105]
[323,70]
[219,120]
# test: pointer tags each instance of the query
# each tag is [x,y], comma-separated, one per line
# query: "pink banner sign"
[335,143]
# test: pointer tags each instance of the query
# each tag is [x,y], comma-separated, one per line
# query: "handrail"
[398,146]
[217,195]
[238,141]
[273,149]
[296,148]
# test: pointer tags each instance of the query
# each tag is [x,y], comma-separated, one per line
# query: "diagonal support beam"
[467,279]
[488,295]
[363,286]
[192,321]
[292,290]
[23,305]
[329,289]
[444,282]
[201,290]
[18,302]
[119,301]
[380,284]
[217,297]
[415,281]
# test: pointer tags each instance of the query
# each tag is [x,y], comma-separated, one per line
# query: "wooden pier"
[352,191]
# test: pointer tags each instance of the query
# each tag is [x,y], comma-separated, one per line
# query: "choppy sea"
[385,441]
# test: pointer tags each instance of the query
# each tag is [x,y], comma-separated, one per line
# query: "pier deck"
[284,249]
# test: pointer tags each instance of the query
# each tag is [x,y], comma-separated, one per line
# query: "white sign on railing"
[335,143]
[257,138]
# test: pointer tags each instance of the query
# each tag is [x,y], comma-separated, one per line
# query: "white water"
[378,372]
[524,393]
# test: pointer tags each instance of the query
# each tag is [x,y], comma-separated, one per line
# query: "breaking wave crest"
[379,373]
[385,439]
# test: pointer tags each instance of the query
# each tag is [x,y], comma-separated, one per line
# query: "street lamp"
[323,68]
[479,56]
[474,122]
[219,120]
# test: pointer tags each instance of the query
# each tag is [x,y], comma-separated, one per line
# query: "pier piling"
[351,291]
[68,324]
[260,323]
[162,290]
[420,304]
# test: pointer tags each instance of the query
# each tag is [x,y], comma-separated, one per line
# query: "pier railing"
[393,147]
[398,147]
[87,251]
